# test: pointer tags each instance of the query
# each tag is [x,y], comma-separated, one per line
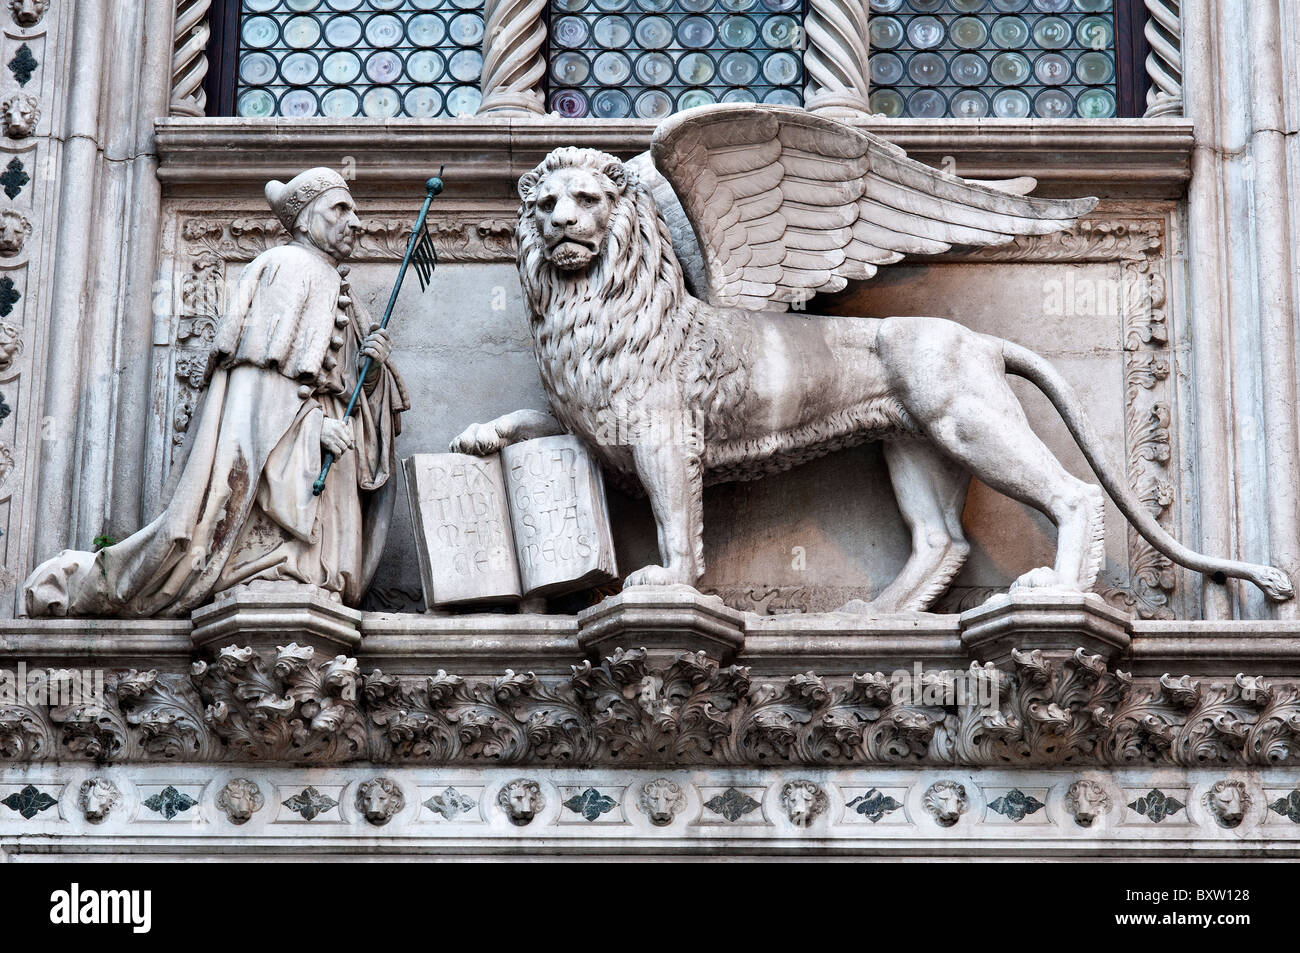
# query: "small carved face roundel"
[661,800]
[97,798]
[14,231]
[28,12]
[803,801]
[571,208]
[946,801]
[1086,801]
[1227,800]
[240,799]
[379,799]
[20,113]
[521,799]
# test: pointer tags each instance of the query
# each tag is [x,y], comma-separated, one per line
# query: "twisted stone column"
[514,37]
[1164,32]
[189,58]
[835,60]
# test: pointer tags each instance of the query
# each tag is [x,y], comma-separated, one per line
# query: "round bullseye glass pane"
[886,69]
[1096,33]
[653,104]
[653,33]
[926,69]
[424,66]
[423,102]
[298,104]
[467,29]
[381,102]
[1096,104]
[969,69]
[343,32]
[465,66]
[695,69]
[738,69]
[1053,104]
[611,69]
[781,69]
[886,33]
[613,33]
[969,33]
[260,32]
[384,31]
[926,32]
[341,67]
[255,102]
[299,69]
[302,33]
[383,67]
[425,29]
[695,32]
[611,104]
[927,104]
[463,101]
[1011,104]
[1052,33]
[339,103]
[780,32]
[1094,68]
[654,69]
[738,32]
[256,69]
[570,69]
[887,102]
[969,104]
[1010,69]
[1010,33]
[1052,69]
[695,97]
[569,103]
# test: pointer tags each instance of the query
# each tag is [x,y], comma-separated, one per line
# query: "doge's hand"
[336,436]
[375,346]
[479,439]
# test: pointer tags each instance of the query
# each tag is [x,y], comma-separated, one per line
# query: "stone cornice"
[487,644]
[1112,159]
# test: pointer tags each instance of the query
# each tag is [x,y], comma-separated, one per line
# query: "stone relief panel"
[782,544]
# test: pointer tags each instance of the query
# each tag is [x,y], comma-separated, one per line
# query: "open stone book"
[530,521]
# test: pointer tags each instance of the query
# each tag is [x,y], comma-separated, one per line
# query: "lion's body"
[676,393]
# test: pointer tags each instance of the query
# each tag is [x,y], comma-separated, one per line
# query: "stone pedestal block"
[665,621]
[265,615]
[1056,622]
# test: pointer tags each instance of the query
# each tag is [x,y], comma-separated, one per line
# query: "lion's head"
[570,199]
[604,289]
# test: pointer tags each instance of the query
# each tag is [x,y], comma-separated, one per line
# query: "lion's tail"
[1025,363]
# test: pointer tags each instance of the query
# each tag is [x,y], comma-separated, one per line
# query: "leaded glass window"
[649,58]
[1007,58]
[378,58]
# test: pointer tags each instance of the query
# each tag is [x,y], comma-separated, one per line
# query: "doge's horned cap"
[288,201]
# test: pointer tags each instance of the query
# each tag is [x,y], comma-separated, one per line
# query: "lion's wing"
[786,204]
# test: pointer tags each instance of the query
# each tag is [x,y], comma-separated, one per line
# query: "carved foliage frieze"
[307,708]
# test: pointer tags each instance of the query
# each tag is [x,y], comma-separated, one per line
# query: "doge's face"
[572,214]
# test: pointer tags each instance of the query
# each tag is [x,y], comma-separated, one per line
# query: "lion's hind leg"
[931,491]
[953,383]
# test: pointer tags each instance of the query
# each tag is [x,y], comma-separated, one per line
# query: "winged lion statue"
[659,291]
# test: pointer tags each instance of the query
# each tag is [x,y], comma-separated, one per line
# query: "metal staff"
[421,253]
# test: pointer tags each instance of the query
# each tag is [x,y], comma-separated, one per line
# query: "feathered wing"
[786,204]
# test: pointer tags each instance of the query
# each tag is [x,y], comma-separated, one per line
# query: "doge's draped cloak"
[241,507]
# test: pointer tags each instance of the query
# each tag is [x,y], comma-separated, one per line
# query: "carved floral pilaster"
[835,58]
[514,41]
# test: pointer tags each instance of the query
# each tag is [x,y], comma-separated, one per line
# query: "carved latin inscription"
[462,527]
[558,514]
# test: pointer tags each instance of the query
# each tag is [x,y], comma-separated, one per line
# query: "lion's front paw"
[479,439]
[656,576]
[1041,578]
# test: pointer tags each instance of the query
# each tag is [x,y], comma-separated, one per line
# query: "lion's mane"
[604,336]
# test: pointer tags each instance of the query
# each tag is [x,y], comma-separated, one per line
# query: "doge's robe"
[241,507]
